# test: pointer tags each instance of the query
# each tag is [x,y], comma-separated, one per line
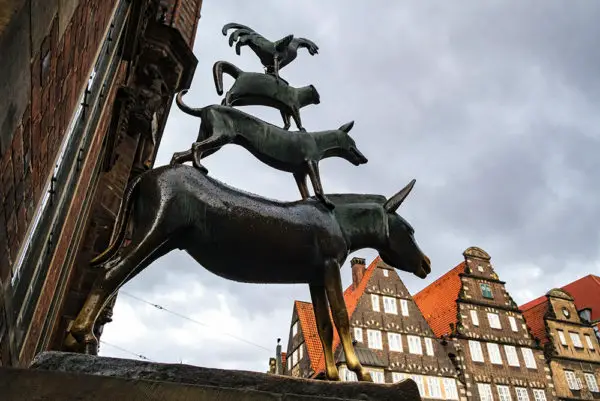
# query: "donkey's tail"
[197,112]
[226,67]
[120,223]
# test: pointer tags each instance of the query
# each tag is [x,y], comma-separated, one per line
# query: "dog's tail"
[120,223]
[221,67]
[197,112]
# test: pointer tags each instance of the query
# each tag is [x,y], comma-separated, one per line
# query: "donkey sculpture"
[178,206]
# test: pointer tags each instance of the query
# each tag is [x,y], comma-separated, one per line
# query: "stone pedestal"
[66,376]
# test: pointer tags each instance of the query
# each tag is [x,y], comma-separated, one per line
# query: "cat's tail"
[185,108]
[226,67]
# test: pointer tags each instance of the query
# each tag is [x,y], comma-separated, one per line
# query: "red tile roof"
[308,323]
[437,301]
[283,358]
[585,291]
[534,317]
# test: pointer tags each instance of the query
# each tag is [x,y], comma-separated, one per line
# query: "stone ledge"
[58,376]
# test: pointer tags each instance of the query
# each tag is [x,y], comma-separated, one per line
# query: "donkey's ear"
[392,204]
[347,127]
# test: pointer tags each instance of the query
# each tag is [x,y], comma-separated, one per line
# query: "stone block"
[57,375]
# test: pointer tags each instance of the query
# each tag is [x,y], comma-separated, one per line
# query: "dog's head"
[347,147]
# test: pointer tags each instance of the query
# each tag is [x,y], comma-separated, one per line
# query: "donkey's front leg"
[318,297]
[315,178]
[333,284]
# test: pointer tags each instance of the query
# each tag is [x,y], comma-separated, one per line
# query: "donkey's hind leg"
[116,273]
[318,297]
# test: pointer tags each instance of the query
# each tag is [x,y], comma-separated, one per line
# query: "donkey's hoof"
[71,344]
[364,376]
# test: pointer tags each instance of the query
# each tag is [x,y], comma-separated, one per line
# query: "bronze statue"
[273,55]
[244,237]
[296,152]
[247,238]
[256,89]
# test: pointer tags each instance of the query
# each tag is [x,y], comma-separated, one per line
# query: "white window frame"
[575,339]
[347,375]
[511,355]
[494,320]
[358,334]
[513,323]
[474,317]
[539,394]
[420,384]
[377,375]
[398,377]
[434,387]
[429,346]
[591,382]
[295,328]
[494,353]
[395,342]
[404,307]
[485,392]
[300,352]
[386,273]
[289,362]
[503,393]
[588,340]
[561,337]
[450,390]
[522,394]
[390,305]
[572,380]
[476,351]
[529,358]
[374,339]
[375,302]
[414,345]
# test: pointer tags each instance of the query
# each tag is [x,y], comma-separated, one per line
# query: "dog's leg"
[181,157]
[286,120]
[335,296]
[302,186]
[212,143]
[315,178]
[318,297]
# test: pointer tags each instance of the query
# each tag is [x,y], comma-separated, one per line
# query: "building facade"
[586,294]
[570,345]
[485,334]
[86,90]
[392,339]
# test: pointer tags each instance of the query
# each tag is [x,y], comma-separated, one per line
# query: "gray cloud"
[492,106]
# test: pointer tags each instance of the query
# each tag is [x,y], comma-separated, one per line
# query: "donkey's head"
[400,249]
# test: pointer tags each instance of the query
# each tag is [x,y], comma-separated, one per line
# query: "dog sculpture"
[295,152]
[247,238]
[255,89]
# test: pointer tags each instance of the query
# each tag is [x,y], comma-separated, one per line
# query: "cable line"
[162,308]
[126,351]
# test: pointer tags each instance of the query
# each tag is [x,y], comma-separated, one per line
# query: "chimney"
[278,362]
[358,271]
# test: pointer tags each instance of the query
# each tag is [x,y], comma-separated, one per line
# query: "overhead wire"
[182,316]
[126,351]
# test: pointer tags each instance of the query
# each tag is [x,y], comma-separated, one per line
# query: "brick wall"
[60,55]
[182,15]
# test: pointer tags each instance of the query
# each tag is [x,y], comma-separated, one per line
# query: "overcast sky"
[493,106]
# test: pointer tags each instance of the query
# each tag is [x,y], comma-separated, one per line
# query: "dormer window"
[566,312]
[486,291]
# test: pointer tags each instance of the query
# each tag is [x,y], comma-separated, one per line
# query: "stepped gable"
[586,293]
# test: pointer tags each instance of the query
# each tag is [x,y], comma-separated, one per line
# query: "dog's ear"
[347,127]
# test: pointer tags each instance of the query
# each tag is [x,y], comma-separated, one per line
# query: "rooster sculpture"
[273,55]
